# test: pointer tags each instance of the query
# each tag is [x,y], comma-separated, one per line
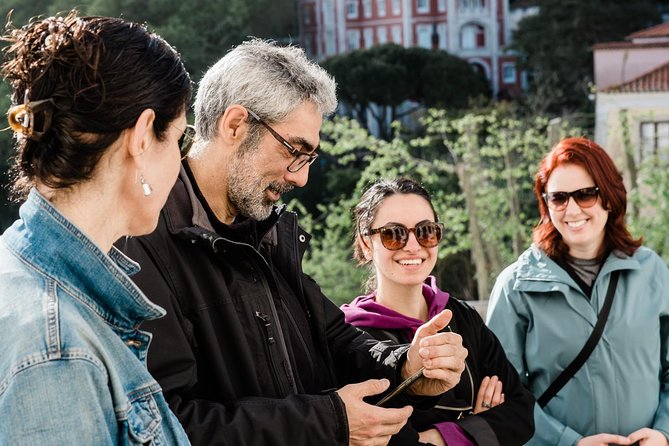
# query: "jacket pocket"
[144,421]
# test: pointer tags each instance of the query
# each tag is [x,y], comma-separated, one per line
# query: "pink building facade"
[475,30]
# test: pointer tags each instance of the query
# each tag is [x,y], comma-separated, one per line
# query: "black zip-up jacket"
[508,424]
[250,351]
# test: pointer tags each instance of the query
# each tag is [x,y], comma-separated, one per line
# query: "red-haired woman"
[544,307]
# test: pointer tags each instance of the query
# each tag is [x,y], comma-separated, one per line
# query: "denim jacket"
[72,359]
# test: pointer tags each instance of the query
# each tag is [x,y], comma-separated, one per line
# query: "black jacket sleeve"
[297,419]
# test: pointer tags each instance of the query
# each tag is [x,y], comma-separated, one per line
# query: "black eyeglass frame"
[380,229]
[186,140]
[302,157]
[577,195]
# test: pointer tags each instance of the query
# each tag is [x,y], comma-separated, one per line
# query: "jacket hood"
[364,311]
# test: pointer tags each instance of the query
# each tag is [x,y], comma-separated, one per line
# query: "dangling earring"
[146,187]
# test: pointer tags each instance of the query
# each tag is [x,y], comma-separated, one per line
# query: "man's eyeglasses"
[186,141]
[585,198]
[301,158]
[395,236]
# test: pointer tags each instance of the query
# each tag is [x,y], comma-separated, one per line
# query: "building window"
[368,37]
[441,6]
[367,8]
[423,6]
[306,15]
[654,139]
[382,35]
[352,39]
[472,4]
[381,8]
[352,9]
[423,36]
[442,31]
[509,73]
[397,7]
[397,34]
[472,36]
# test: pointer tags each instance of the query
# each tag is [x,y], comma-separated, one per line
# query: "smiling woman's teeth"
[410,262]
[575,224]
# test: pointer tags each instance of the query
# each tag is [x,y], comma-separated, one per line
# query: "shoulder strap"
[587,349]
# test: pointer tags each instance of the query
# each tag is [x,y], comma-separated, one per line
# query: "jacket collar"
[535,269]
[50,243]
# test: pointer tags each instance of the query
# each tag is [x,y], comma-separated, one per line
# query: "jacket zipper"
[269,341]
[285,363]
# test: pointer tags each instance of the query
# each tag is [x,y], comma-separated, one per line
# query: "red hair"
[600,167]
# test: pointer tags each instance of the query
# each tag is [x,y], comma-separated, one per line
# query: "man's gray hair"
[266,78]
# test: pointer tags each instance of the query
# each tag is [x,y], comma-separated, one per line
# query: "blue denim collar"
[50,243]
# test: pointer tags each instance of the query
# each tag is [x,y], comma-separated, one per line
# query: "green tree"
[480,168]
[383,78]
[556,45]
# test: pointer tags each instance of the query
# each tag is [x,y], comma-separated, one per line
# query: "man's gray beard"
[245,191]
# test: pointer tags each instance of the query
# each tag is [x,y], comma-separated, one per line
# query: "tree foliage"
[479,167]
[557,45]
[381,79]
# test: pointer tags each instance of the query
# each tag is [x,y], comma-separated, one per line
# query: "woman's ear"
[141,135]
[232,125]
[364,247]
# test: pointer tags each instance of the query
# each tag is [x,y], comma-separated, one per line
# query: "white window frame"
[396,34]
[509,79]
[655,141]
[367,8]
[382,35]
[397,7]
[441,5]
[352,9]
[423,6]
[352,39]
[424,35]
[368,37]
[381,8]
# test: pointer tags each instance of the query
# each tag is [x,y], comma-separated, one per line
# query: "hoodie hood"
[364,311]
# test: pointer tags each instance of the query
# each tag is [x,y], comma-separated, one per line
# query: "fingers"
[442,352]
[651,436]
[489,394]
[434,325]
[603,439]
[368,424]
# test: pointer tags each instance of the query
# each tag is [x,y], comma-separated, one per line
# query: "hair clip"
[22,118]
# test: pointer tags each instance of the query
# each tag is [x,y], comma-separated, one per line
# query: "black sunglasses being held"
[395,236]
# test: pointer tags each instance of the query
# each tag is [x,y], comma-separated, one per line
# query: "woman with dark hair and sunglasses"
[397,234]
[545,306]
[99,117]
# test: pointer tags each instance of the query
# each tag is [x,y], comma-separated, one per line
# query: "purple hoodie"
[364,311]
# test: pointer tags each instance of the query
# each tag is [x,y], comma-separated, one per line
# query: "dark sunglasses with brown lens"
[395,236]
[585,198]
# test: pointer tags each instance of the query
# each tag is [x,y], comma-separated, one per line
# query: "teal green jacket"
[542,319]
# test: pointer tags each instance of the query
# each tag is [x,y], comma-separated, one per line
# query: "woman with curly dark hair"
[587,289]
[99,117]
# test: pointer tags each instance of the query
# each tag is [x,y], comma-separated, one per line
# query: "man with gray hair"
[251,352]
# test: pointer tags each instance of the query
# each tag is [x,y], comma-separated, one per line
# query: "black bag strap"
[587,349]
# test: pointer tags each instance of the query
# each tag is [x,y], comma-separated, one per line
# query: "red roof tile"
[661,30]
[623,45]
[655,80]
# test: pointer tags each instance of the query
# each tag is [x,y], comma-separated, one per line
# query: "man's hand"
[603,440]
[648,437]
[441,354]
[370,425]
